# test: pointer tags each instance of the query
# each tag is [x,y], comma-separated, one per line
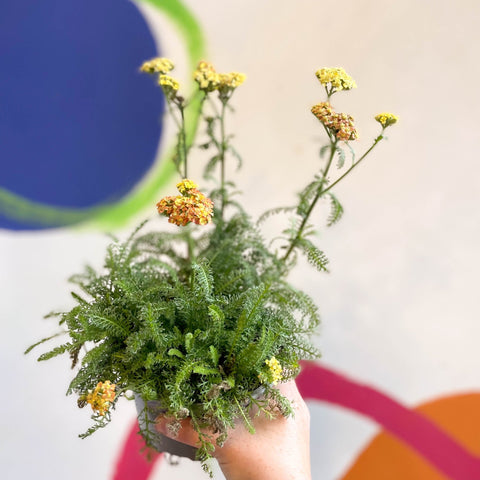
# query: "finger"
[290,391]
[185,434]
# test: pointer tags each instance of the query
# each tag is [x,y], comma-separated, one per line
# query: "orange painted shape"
[388,458]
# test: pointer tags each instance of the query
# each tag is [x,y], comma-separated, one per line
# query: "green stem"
[172,113]
[322,191]
[190,247]
[332,153]
[222,157]
[380,137]
[314,202]
[213,106]
[330,135]
[181,153]
[183,141]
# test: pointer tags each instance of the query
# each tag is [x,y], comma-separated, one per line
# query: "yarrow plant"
[202,318]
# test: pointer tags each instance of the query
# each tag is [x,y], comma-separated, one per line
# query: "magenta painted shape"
[132,462]
[316,382]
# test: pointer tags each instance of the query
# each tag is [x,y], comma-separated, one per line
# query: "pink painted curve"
[132,462]
[316,382]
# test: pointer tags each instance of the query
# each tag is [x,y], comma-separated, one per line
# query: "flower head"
[231,80]
[190,206]
[323,111]
[185,186]
[157,65]
[274,370]
[168,84]
[101,398]
[386,119]
[338,79]
[209,80]
[340,124]
[206,76]
[343,127]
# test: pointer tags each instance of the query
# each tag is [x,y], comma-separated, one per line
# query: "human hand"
[279,450]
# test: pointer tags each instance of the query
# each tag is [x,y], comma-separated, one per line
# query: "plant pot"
[158,441]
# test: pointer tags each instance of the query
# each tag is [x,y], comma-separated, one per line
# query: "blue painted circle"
[79,125]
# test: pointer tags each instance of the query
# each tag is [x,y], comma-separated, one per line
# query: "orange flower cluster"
[323,111]
[340,124]
[190,206]
[102,397]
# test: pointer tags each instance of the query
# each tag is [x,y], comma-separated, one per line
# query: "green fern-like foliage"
[193,334]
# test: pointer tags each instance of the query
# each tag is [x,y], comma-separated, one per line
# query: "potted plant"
[200,321]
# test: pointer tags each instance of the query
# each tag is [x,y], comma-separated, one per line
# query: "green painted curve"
[144,193]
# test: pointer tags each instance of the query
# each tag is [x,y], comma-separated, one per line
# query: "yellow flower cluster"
[340,124]
[168,82]
[338,78]
[157,65]
[190,206]
[162,66]
[209,80]
[231,80]
[386,119]
[206,76]
[102,397]
[185,186]
[275,370]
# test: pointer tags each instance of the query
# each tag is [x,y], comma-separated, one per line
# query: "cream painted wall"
[400,306]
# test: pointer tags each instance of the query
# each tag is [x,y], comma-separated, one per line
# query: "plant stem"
[183,141]
[178,124]
[380,137]
[190,246]
[222,157]
[320,192]
[213,106]
[172,114]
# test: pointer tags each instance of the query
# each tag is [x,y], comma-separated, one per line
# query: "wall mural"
[74,103]
[77,104]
